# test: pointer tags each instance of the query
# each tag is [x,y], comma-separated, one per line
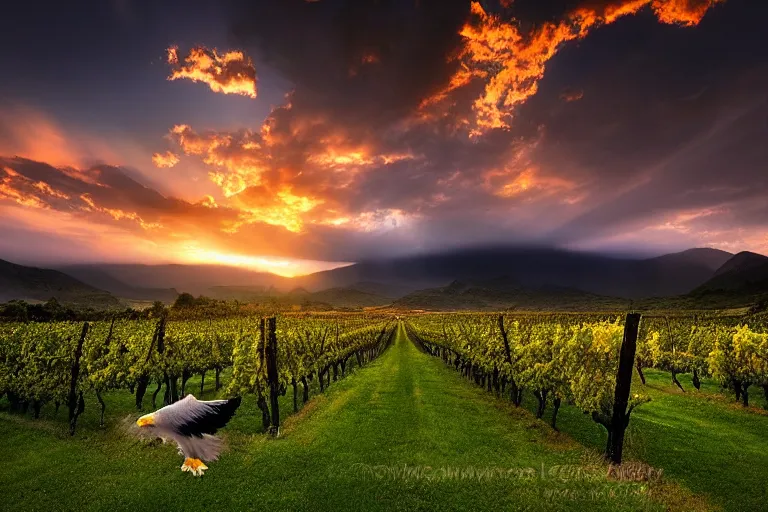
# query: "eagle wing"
[194,418]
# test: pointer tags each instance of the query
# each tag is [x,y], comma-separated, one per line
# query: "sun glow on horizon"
[284,267]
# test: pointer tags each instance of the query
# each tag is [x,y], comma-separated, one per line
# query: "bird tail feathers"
[207,447]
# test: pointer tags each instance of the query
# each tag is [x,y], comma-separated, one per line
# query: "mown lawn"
[703,439]
[404,433]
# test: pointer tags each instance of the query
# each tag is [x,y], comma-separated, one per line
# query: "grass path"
[369,443]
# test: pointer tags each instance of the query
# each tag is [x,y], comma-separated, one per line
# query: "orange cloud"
[209,202]
[511,62]
[369,221]
[116,213]
[80,238]
[12,189]
[237,161]
[370,58]
[571,95]
[229,73]
[529,183]
[29,133]
[703,227]
[367,58]
[165,160]
[313,167]
[151,227]
[281,208]
[348,159]
[294,172]
[682,12]
[681,221]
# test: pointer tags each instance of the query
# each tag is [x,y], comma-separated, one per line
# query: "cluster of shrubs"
[186,306]
[54,311]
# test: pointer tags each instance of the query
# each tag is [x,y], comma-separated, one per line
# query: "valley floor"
[404,433]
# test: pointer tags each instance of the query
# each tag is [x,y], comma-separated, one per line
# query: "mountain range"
[744,272]
[484,278]
[663,276]
[39,284]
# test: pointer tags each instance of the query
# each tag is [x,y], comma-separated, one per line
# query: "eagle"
[191,423]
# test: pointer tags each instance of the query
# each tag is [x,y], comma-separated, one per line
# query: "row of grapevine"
[733,352]
[37,360]
[310,347]
[58,362]
[555,358]
[575,357]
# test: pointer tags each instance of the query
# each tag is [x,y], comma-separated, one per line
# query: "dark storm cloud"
[665,130]
[425,125]
[723,167]
[369,63]
[362,71]
[351,137]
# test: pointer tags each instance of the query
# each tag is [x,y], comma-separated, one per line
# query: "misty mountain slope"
[241,293]
[391,290]
[663,276]
[334,297]
[349,298]
[32,283]
[98,278]
[194,279]
[707,257]
[504,293]
[395,277]
[671,274]
[744,272]
[495,278]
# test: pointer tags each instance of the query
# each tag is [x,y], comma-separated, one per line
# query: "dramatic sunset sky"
[292,135]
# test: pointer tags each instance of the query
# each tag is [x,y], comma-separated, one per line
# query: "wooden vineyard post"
[620,418]
[270,352]
[75,405]
[261,348]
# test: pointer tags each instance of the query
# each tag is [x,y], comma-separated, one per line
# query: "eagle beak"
[146,421]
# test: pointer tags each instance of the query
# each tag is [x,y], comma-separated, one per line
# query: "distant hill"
[707,257]
[194,279]
[101,279]
[381,289]
[241,293]
[490,278]
[741,281]
[39,284]
[331,297]
[745,272]
[506,293]
[349,298]
[392,277]
[700,258]
[663,276]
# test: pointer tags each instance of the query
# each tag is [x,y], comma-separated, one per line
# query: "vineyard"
[604,368]
[576,359]
[58,363]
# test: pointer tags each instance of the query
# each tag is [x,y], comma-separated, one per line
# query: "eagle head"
[147,420]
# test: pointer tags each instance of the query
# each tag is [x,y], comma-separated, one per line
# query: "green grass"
[702,439]
[349,449]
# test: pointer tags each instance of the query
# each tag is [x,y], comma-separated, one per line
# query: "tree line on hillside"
[55,311]
[185,306]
